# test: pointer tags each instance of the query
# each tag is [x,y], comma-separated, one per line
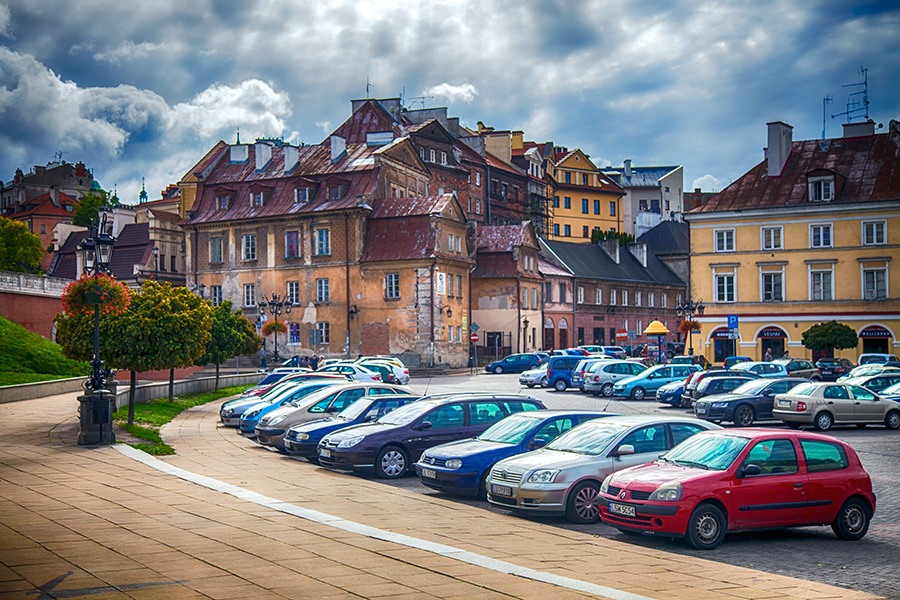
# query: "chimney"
[263,155]
[855,130]
[338,147]
[627,167]
[639,251]
[779,148]
[611,247]
[291,157]
[54,195]
[239,153]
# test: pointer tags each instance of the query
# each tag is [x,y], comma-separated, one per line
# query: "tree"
[598,235]
[88,208]
[20,250]
[830,336]
[227,336]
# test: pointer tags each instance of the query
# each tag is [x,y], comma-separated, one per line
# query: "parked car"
[390,446]
[399,374]
[601,377]
[891,393]
[762,368]
[825,404]
[687,397]
[799,367]
[259,390]
[739,479]
[271,429]
[293,397]
[514,363]
[535,377]
[876,358]
[650,380]
[730,361]
[867,370]
[711,386]
[462,467]
[832,368]
[690,359]
[559,371]
[876,383]
[578,373]
[353,371]
[303,440]
[564,477]
[749,402]
[671,393]
[231,412]
[571,352]
[614,352]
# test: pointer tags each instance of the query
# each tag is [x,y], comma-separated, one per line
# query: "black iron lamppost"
[276,305]
[156,268]
[525,334]
[688,310]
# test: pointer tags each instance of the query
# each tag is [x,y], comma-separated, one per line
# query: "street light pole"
[156,268]
[276,305]
[687,311]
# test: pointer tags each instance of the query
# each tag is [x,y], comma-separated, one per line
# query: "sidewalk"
[227,519]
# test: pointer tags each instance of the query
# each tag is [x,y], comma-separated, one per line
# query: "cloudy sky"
[143,89]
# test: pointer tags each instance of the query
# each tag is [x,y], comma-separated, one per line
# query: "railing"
[23,283]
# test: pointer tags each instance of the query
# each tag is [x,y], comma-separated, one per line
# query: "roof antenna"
[238,142]
[368,87]
[825,102]
[854,105]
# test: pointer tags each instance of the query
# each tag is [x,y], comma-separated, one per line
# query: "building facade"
[652,195]
[584,198]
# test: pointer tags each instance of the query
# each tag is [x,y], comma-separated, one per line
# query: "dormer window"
[257,198]
[301,195]
[431,155]
[335,192]
[821,189]
[222,201]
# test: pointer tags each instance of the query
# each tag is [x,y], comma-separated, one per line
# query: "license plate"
[701,411]
[429,473]
[501,490]
[621,509]
[784,403]
[325,452]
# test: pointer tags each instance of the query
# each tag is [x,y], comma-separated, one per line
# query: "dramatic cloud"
[5,22]
[463,93]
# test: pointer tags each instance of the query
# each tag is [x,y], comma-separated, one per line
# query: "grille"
[613,490]
[634,494]
[508,477]
[639,520]
[430,460]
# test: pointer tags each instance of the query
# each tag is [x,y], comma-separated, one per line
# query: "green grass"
[26,357]
[150,416]
[17,378]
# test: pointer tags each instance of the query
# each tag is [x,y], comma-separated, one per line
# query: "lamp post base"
[95,412]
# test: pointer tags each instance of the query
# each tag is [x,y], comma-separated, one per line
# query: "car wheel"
[582,507]
[545,382]
[607,389]
[498,370]
[560,385]
[391,463]
[638,393]
[793,425]
[483,484]
[852,521]
[892,420]
[744,415]
[706,527]
[824,421]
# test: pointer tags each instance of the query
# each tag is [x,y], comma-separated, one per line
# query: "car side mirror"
[368,419]
[748,470]
[537,443]
[769,394]
[625,450]
[331,409]
[425,425]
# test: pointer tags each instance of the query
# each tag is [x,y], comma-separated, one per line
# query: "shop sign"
[771,332]
[722,333]
[874,331]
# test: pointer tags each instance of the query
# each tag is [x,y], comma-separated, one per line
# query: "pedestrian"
[304,362]
[262,357]
[768,356]
[314,362]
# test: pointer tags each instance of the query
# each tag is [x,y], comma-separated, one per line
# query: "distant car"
[868,370]
[560,370]
[262,388]
[671,393]
[600,377]
[690,359]
[353,371]
[825,404]
[711,386]
[876,358]
[832,368]
[738,479]
[514,363]
[762,368]
[462,467]
[687,397]
[571,352]
[650,380]
[749,402]
[291,396]
[535,377]
[730,361]
[799,367]
[578,374]
[876,383]
[563,477]
[891,393]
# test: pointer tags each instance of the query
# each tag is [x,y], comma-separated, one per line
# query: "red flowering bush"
[272,326]
[688,326]
[81,295]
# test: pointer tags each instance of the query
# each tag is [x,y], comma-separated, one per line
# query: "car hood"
[544,458]
[281,410]
[362,429]
[242,404]
[463,448]
[627,381]
[652,475]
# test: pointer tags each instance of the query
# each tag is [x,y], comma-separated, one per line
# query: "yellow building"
[585,198]
[809,235]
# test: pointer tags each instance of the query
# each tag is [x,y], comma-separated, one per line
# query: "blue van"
[560,370]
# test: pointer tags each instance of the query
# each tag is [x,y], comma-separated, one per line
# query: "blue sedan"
[670,393]
[302,440]
[252,415]
[461,467]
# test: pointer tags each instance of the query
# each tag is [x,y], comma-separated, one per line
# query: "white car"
[357,372]
[401,373]
[535,377]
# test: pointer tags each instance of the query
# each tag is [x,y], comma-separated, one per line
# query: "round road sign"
[474,337]
[621,334]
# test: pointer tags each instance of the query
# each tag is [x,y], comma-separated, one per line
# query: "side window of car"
[551,430]
[773,457]
[823,456]
[682,431]
[836,392]
[635,369]
[484,413]
[862,393]
[647,439]
[451,415]
[347,398]
[514,406]
[321,405]
[380,391]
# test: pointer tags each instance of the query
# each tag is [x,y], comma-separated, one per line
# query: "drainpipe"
[347,274]
[574,309]
[518,313]
[471,319]
[431,309]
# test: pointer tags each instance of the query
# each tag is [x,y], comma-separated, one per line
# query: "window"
[556,229]
[820,285]
[215,250]
[612,208]
[771,238]
[873,233]
[637,301]
[257,198]
[322,290]
[651,299]
[459,333]
[665,300]
[450,415]
[562,293]
[823,456]
[596,207]
[567,202]
[222,202]
[322,333]
[443,158]
[773,457]
[524,298]
[449,285]
[647,439]
[323,242]
[584,231]
[301,195]
[772,289]
[292,295]
[598,296]
[392,286]
[568,230]
[555,201]
[459,287]
[478,178]
[724,240]
[567,177]
[172,266]
[820,235]
[534,298]
[291,244]
[821,189]
[248,247]
[548,292]
[431,155]
[249,295]
[612,297]
[725,287]
[580,291]
[625,298]
[294,332]
[875,284]
[584,206]
[422,153]
[335,192]
[43,228]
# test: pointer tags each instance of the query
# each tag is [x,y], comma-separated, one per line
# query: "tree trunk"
[217,377]
[171,385]
[131,390]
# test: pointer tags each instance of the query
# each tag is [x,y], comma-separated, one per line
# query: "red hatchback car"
[739,479]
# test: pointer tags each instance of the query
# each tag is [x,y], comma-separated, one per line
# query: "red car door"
[826,465]
[777,496]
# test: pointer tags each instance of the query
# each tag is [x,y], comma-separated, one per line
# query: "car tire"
[852,521]
[560,385]
[892,420]
[638,393]
[582,505]
[608,389]
[793,425]
[529,385]
[706,527]
[498,370]
[483,483]
[545,382]
[823,421]
[391,463]
[744,415]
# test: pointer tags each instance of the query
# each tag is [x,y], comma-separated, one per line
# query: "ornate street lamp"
[687,311]
[156,268]
[276,305]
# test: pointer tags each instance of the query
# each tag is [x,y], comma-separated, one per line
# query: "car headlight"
[227,412]
[543,476]
[453,463]
[277,420]
[251,414]
[720,405]
[605,485]
[350,442]
[667,492]
[302,436]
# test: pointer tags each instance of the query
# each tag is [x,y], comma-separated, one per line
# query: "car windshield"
[828,362]
[754,386]
[352,412]
[588,438]
[804,389]
[510,430]
[893,389]
[407,413]
[713,451]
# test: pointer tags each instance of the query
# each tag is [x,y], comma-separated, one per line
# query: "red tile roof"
[503,238]
[409,207]
[495,264]
[43,206]
[369,118]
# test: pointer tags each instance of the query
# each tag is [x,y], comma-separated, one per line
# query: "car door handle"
[798,485]
[830,402]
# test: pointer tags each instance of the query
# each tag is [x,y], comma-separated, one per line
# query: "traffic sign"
[473,337]
[621,334]
[474,326]
[732,321]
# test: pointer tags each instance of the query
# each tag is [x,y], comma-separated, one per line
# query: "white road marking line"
[375,533]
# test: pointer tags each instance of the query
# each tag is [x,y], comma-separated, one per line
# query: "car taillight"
[839,369]
[801,406]
[376,377]
[596,378]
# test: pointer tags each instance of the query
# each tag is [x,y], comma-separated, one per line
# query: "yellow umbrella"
[656,328]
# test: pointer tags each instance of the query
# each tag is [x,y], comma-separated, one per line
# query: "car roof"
[455,396]
[766,432]
[632,420]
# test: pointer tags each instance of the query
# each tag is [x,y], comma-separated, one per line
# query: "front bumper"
[544,499]
[343,459]
[270,436]
[230,421]
[667,519]
[455,482]
[711,413]
[305,449]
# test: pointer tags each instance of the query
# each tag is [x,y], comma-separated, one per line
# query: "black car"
[710,386]
[832,368]
[515,363]
[687,397]
[390,446]
[749,402]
